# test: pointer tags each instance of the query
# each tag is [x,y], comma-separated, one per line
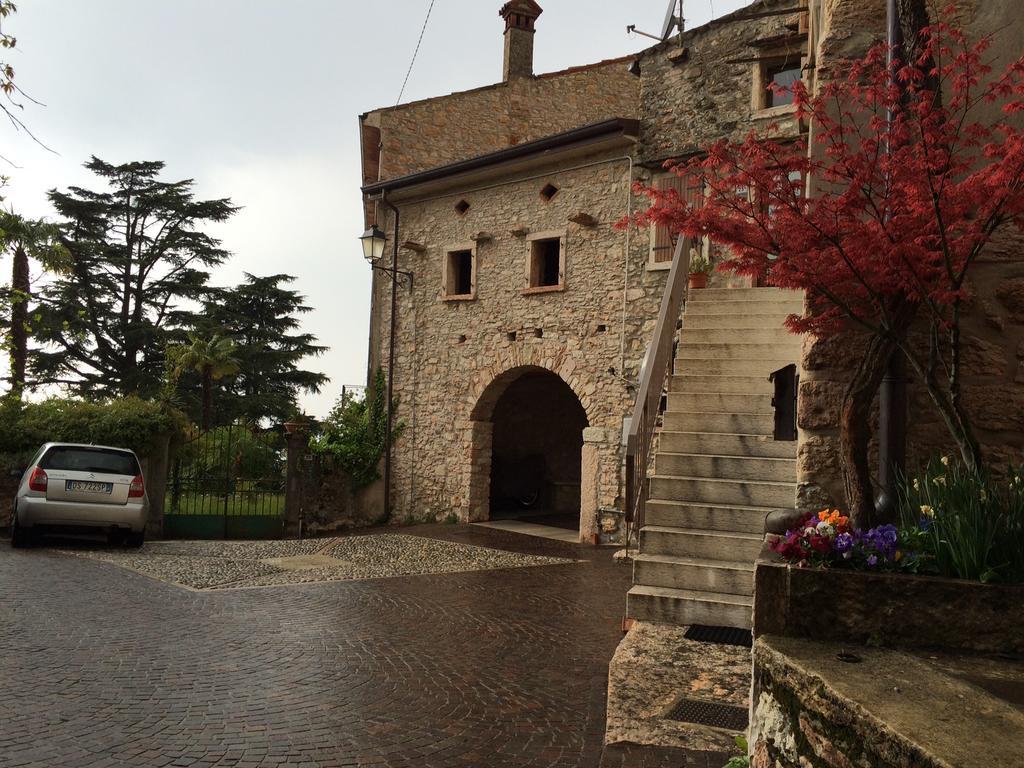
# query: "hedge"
[124,423]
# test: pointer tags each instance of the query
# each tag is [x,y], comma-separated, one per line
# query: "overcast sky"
[257,100]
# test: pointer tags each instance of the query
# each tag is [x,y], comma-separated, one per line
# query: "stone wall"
[993,326]
[456,357]
[328,502]
[705,92]
[434,132]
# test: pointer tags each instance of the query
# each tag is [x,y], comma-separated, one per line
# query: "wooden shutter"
[691,190]
[663,242]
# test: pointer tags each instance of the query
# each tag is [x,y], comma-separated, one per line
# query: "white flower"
[945,461]
[927,511]
[940,480]
[917,486]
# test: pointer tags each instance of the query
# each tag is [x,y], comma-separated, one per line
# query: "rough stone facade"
[456,357]
[993,326]
[434,132]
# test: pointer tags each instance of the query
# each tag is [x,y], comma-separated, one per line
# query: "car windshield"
[90,460]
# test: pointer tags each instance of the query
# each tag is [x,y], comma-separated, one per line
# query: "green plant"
[355,433]
[743,761]
[701,265]
[967,524]
[451,519]
[125,422]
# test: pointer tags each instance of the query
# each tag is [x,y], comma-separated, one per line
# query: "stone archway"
[527,448]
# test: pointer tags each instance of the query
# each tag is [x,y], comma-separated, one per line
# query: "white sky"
[258,100]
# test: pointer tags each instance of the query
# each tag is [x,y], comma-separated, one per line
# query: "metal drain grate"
[719,635]
[708,713]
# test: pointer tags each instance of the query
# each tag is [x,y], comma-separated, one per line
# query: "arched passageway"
[536,442]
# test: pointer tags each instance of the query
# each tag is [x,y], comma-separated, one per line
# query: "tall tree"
[212,358]
[137,258]
[25,239]
[262,317]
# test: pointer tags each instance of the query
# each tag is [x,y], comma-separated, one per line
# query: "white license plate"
[85,486]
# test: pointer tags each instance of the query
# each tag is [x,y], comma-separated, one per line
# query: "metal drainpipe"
[892,396]
[391,363]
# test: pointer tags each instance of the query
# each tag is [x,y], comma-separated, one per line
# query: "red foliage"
[900,210]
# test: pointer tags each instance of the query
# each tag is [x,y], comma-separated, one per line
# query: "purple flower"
[843,542]
[872,561]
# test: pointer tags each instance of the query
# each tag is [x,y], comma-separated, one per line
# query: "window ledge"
[542,289]
[459,297]
[768,112]
[659,266]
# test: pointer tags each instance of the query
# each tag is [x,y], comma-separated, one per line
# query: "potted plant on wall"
[700,268]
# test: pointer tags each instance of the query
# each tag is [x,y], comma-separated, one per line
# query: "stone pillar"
[594,440]
[155,468]
[297,442]
[478,498]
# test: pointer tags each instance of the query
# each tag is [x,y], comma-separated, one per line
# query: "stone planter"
[891,609]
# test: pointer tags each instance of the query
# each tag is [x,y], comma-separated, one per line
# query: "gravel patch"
[232,564]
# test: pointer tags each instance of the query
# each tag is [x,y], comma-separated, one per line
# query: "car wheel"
[20,538]
[135,540]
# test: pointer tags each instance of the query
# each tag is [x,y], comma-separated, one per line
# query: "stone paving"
[233,564]
[102,666]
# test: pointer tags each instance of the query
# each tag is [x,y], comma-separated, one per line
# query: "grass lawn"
[258,503]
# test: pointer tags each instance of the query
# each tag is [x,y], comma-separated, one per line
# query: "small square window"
[462,207]
[546,263]
[782,76]
[459,279]
[548,192]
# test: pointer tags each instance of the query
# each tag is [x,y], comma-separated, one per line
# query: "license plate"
[84,486]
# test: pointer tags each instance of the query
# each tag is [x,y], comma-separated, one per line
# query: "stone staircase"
[718,471]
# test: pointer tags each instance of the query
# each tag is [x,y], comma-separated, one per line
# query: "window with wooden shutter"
[663,242]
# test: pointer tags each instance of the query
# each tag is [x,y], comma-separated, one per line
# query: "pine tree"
[262,317]
[137,258]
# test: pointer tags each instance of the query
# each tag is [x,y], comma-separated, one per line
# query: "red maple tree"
[914,168]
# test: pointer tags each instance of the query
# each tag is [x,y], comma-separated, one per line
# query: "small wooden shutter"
[663,241]
[691,191]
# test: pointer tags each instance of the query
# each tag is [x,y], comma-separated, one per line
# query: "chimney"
[519,16]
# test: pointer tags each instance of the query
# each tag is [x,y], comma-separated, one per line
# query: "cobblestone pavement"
[232,564]
[505,668]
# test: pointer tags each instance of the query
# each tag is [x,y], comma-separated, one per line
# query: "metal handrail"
[656,368]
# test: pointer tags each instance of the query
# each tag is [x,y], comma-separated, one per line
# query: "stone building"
[519,343]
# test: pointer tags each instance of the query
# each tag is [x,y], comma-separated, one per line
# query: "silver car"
[81,488]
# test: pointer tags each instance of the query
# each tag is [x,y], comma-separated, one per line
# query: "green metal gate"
[228,483]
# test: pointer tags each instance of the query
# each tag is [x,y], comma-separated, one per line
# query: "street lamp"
[373,241]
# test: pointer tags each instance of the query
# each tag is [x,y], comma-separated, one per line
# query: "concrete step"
[743,321]
[746,493]
[695,381]
[683,441]
[721,402]
[702,545]
[687,363]
[684,607]
[744,294]
[694,574]
[770,333]
[790,350]
[721,423]
[706,517]
[780,308]
[725,467]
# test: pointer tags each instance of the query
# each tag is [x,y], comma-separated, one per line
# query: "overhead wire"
[419,42]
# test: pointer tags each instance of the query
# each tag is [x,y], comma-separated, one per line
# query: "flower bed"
[947,576]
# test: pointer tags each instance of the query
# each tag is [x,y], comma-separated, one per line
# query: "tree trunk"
[855,430]
[207,399]
[20,288]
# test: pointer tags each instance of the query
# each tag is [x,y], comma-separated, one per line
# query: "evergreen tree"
[25,239]
[136,258]
[261,317]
